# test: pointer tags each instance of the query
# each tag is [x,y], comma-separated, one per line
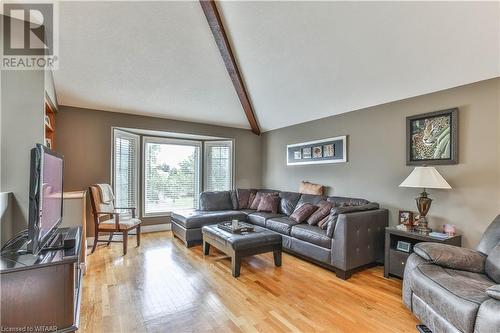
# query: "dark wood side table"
[395,260]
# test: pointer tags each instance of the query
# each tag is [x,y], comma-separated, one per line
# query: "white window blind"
[125,168]
[171,175]
[218,165]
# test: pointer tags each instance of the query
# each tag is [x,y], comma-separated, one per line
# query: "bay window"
[174,171]
[171,175]
[125,168]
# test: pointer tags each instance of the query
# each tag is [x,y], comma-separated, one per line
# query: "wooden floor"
[164,287]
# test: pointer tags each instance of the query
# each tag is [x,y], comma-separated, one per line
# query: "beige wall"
[84,138]
[376,157]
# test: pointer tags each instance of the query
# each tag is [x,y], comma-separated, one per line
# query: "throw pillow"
[323,211]
[300,214]
[258,198]
[251,199]
[243,196]
[310,188]
[269,203]
[323,224]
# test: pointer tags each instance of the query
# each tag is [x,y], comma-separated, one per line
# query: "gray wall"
[376,157]
[22,126]
[84,138]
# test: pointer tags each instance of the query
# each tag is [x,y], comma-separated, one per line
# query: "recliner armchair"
[454,289]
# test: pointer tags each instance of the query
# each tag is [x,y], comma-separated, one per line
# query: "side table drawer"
[397,262]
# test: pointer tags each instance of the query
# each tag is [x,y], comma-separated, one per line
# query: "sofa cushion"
[323,211]
[288,202]
[269,203]
[345,201]
[220,200]
[192,219]
[455,295]
[492,266]
[301,213]
[311,188]
[311,234]
[259,218]
[283,225]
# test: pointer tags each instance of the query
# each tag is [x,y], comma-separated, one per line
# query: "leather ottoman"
[238,246]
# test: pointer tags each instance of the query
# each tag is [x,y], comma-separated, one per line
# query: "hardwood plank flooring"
[164,287]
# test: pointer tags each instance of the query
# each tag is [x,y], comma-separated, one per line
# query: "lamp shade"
[425,177]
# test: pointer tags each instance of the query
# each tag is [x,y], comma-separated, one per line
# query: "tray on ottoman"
[240,229]
[238,246]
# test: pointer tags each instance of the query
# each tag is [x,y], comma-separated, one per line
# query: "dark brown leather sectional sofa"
[354,238]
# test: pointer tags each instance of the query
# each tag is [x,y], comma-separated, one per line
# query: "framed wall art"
[330,150]
[432,138]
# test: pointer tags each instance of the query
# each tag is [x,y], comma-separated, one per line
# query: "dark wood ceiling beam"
[214,21]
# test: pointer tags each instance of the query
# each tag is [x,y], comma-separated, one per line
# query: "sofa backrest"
[345,201]
[491,237]
[310,198]
[289,200]
[220,200]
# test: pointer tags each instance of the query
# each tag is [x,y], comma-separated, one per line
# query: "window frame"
[137,164]
[163,140]
[206,144]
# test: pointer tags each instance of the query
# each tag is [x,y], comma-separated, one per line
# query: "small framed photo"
[329,150]
[297,155]
[306,152]
[406,217]
[318,152]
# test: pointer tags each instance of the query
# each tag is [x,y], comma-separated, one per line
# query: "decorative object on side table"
[449,229]
[432,138]
[406,219]
[424,177]
[399,245]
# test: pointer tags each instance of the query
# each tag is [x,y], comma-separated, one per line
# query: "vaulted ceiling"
[300,60]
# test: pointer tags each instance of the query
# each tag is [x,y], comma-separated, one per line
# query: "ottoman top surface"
[259,237]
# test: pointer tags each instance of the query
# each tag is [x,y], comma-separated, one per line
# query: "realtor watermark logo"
[30,36]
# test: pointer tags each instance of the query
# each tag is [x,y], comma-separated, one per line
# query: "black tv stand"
[55,280]
[55,242]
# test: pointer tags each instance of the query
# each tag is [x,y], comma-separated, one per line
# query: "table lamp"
[424,177]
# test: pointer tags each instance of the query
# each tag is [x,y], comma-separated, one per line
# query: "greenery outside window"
[172,175]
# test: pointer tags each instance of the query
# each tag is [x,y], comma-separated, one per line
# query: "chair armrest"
[116,217]
[494,292]
[128,208]
[451,256]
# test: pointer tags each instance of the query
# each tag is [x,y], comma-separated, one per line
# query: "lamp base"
[423,227]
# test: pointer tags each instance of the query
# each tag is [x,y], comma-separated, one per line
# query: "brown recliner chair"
[454,289]
[109,220]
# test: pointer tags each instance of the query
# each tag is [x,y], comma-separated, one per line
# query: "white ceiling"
[149,58]
[300,60]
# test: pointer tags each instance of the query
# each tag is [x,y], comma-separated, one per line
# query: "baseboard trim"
[144,229]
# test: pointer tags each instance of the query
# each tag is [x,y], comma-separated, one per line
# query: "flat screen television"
[46,196]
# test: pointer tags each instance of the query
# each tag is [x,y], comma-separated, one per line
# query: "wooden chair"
[107,220]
